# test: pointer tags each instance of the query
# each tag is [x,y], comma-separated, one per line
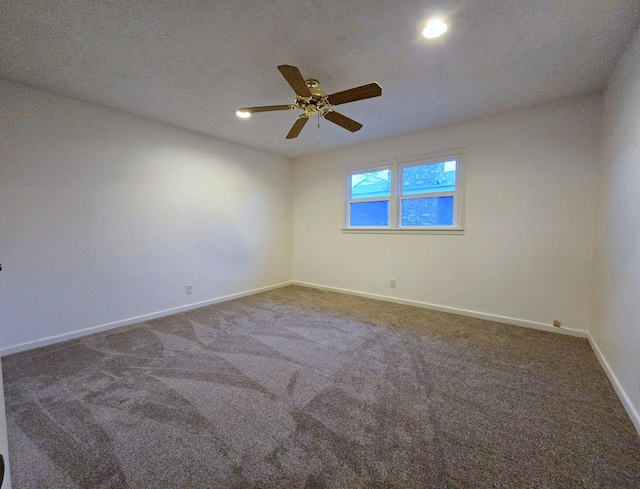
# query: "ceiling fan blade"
[265,108]
[294,78]
[297,127]
[343,121]
[353,94]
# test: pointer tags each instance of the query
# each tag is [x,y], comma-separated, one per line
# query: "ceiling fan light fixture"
[434,28]
[242,114]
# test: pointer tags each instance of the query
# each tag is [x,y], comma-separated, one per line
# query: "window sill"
[454,232]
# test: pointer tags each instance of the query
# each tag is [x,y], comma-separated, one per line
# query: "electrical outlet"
[189,289]
[557,323]
[392,283]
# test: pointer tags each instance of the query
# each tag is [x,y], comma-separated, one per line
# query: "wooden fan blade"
[297,127]
[343,121]
[265,108]
[353,94]
[294,78]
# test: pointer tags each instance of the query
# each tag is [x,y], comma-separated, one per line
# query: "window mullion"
[393,201]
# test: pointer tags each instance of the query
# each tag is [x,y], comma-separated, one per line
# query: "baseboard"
[617,386]
[453,310]
[137,319]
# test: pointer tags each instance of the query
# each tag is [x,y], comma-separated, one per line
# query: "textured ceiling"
[191,63]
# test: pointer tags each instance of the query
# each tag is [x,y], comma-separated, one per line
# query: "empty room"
[357,244]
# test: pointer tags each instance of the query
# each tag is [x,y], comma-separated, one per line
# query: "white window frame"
[396,197]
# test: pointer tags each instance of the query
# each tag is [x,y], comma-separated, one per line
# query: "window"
[370,198]
[415,196]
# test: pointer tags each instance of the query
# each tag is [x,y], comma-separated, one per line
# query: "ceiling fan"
[313,100]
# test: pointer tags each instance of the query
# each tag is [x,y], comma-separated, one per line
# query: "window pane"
[431,211]
[371,184]
[369,213]
[434,177]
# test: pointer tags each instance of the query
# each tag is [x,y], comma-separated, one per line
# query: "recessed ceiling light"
[243,115]
[434,28]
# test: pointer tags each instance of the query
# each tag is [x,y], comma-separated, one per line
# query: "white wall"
[616,284]
[529,242]
[105,217]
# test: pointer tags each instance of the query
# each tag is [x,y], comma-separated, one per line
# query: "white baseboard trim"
[617,386]
[453,310]
[137,319]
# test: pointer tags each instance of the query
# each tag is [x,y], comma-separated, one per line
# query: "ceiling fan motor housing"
[317,101]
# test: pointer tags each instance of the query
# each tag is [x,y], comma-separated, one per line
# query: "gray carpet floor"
[301,388]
